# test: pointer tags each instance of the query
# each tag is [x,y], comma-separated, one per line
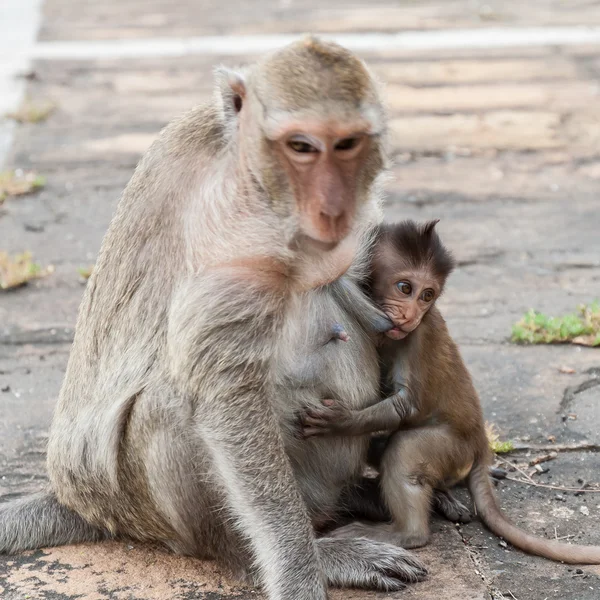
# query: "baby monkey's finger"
[312,431]
[316,422]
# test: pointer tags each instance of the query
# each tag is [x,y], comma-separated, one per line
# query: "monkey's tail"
[38,521]
[487,506]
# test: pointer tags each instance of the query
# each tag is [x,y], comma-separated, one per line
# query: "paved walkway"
[501,143]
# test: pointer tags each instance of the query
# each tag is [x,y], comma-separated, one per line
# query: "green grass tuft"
[582,327]
[33,112]
[19,183]
[18,270]
[496,445]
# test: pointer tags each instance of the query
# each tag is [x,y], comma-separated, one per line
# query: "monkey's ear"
[231,90]
[430,226]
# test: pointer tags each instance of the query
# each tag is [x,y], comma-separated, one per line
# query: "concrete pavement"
[500,143]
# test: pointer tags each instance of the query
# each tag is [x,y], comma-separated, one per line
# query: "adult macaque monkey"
[170,425]
[431,405]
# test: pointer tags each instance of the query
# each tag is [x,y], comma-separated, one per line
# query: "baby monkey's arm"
[336,419]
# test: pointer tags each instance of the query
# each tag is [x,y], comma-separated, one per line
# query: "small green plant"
[582,327]
[18,270]
[33,112]
[19,183]
[496,445]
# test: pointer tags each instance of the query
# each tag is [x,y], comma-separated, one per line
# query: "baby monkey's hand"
[333,419]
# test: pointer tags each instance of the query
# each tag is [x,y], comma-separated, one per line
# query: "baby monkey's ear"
[430,226]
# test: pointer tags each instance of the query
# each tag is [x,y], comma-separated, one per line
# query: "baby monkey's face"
[405,296]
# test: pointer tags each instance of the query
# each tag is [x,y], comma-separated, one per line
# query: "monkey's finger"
[407,568]
[386,584]
[316,422]
[319,414]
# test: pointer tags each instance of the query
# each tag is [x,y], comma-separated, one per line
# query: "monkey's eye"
[301,147]
[427,296]
[347,143]
[404,287]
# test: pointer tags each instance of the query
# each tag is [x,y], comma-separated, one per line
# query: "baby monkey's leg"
[450,507]
[416,462]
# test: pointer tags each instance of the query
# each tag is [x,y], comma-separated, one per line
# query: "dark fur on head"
[418,244]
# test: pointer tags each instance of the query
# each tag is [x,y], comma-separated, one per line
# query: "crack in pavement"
[572,390]
[477,561]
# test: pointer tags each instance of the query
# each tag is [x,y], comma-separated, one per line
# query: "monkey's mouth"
[315,244]
[321,245]
[395,333]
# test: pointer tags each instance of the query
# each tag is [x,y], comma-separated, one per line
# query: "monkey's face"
[325,168]
[405,297]
[319,172]
[312,133]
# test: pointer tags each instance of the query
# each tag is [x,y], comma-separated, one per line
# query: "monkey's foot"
[382,532]
[368,564]
[445,504]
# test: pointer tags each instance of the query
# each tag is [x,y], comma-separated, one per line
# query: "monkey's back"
[446,388]
[102,433]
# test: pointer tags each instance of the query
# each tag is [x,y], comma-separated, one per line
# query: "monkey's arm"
[222,328]
[336,419]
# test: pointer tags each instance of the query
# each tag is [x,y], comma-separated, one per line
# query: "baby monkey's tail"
[487,506]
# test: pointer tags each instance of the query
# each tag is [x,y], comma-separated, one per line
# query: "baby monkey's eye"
[427,296]
[404,287]
[301,147]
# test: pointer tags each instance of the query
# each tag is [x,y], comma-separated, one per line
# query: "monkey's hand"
[332,419]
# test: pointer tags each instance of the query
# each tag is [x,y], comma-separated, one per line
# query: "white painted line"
[19,24]
[248,44]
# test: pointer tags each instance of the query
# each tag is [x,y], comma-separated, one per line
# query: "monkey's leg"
[219,357]
[363,500]
[369,564]
[450,507]
[415,462]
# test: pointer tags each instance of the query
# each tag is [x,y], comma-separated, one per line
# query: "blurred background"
[495,118]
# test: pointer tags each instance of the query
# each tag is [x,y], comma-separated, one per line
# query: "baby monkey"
[430,405]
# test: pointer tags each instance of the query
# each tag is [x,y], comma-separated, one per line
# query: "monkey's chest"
[315,361]
[395,367]
[313,364]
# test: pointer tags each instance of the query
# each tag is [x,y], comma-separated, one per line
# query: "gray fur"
[175,422]
[40,520]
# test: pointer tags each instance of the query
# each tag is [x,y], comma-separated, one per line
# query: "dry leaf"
[543,458]
[586,340]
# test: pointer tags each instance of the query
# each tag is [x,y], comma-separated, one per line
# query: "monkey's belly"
[345,371]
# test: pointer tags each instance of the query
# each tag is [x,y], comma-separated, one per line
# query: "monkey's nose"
[334,224]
